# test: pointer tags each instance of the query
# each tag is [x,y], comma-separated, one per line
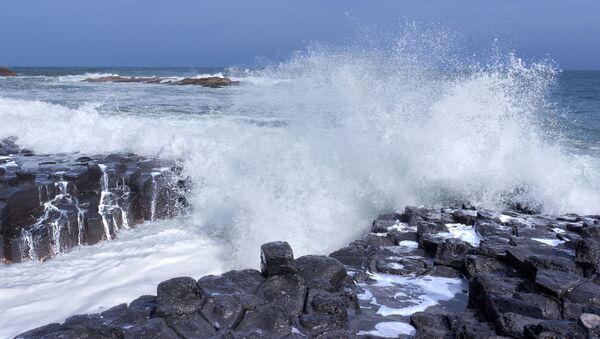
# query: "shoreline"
[440,273]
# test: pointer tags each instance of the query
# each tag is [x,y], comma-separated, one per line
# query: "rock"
[451,252]
[178,296]
[484,285]
[90,325]
[269,320]
[469,325]
[445,272]
[321,272]
[535,263]
[190,326]
[232,282]
[513,324]
[317,324]
[41,332]
[286,291]
[554,329]
[587,293]
[494,246]
[389,264]
[592,232]
[490,229]
[591,324]
[588,252]
[466,217]
[475,264]
[355,256]
[223,311]
[556,283]
[5,72]
[277,258]
[516,256]
[155,328]
[528,304]
[212,82]
[431,325]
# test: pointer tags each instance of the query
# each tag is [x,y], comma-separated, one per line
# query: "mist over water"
[311,150]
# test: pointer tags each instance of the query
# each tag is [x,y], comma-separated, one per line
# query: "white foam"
[550,242]
[409,244]
[390,329]
[361,132]
[94,278]
[424,291]
[463,232]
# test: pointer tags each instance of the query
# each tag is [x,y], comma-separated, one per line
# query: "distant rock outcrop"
[212,82]
[5,72]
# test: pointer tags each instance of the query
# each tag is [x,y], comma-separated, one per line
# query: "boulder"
[513,324]
[556,283]
[588,252]
[277,258]
[232,282]
[527,304]
[286,291]
[587,293]
[5,72]
[224,311]
[354,256]
[269,320]
[431,325]
[155,328]
[178,296]
[190,326]
[321,272]
[592,232]
[475,264]
[451,252]
[591,324]
[212,82]
[554,329]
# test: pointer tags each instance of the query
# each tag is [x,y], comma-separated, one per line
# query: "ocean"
[309,151]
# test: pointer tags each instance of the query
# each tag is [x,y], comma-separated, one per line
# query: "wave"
[363,132]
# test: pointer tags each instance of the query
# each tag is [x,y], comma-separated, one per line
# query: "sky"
[246,33]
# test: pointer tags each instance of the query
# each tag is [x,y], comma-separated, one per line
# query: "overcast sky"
[224,33]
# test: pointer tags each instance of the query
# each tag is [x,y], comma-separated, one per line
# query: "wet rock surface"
[52,203]
[425,272]
[212,82]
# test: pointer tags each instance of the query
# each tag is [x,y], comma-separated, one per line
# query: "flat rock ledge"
[50,204]
[430,273]
[212,82]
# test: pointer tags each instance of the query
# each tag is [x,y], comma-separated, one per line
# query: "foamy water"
[308,151]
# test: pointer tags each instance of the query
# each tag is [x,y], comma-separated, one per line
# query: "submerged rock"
[212,82]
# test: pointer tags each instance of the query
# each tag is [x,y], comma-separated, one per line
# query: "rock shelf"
[452,272]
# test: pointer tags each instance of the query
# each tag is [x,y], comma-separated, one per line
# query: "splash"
[331,138]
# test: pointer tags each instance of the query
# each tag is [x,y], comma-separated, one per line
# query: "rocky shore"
[5,72]
[452,272]
[212,82]
[52,203]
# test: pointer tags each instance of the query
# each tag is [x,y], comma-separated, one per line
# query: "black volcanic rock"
[517,287]
[277,258]
[321,272]
[178,296]
[50,204]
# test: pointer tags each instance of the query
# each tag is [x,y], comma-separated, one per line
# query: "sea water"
[308,151]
